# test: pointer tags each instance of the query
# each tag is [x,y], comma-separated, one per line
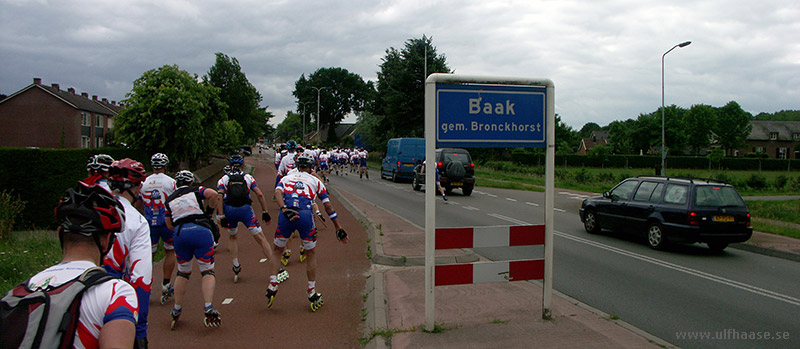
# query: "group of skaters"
[340,161]
[116,217]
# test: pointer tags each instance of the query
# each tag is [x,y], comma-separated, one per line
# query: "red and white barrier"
[493,236]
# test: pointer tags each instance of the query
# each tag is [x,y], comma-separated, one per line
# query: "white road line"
[227,301]
[471,208]
[492,195]
[559,210]
[509,219]
[578,198]
[478,191]
[532,204]
[510,199]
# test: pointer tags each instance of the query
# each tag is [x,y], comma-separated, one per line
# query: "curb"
[767,251]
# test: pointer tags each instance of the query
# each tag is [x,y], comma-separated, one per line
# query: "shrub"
[10,208]
[583,176]
[605,177]
[722,176]
[781,181]
[756,182]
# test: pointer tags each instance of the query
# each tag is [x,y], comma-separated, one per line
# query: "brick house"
[48,117]
[598,137]
[777,139]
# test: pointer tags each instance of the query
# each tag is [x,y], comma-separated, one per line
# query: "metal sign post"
[487,111]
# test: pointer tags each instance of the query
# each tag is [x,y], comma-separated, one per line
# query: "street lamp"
[304,120]
[318,89]
[663,145]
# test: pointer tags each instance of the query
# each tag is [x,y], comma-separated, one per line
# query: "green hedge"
[677,162]
[40,176]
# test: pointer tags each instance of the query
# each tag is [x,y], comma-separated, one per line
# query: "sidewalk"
[470,315]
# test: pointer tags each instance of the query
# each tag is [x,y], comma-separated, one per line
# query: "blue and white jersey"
[300,189]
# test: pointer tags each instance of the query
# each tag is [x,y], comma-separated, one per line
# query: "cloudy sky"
[603,56]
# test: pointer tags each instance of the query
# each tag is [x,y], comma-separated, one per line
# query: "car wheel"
[655,236]
[590,223]
[467,191]
[717,246]
[415,183]
[394,176]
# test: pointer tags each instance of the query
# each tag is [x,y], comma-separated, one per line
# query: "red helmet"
[126,173]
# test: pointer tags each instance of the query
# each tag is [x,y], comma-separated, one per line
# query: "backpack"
[238,193]
[47,317]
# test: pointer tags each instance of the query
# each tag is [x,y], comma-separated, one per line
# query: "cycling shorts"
[163,233]
[194,241]
[304,226]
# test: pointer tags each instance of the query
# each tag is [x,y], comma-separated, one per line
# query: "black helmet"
[90,211]
[236,160]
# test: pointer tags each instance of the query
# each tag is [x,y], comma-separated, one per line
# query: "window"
[98,121]
[85,142]
[676,194]
[758,150]
[85,119]
[98,142]
[781,153]
[773,136]
[624,190]
[110,123]
[796,136]
[645,191]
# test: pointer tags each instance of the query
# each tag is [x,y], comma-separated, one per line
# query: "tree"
[566,138]
[699,120]
[620,137]
[588,128]
[240,95]
[344,92]
[400,96]
[291,128]
[732,126]
[170,111]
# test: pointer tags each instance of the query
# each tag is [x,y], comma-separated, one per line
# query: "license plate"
[723,218]
[458,184]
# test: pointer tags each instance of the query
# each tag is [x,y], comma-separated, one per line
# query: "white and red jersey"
[155,190]
[222,183]
[300,189]
[186,205]
[287,164]
[131,255]
[105,302]
[324,158]
[363,154]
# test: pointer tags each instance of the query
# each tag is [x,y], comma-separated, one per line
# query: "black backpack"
[238,193]
[46,317]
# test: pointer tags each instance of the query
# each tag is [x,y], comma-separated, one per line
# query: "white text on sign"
[491,127]
[489,108]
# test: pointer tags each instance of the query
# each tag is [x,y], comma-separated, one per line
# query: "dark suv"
[668,209]
[456,170]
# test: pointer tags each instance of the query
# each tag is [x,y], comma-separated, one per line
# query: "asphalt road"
[687,295]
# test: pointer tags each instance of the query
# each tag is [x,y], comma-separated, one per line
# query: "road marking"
[532,204]
[509,219]
[510,199]
[478,191]
[577,198]
[263,260]
[559,210]
[227,301]
[471,208]
[690,271]
[492,195]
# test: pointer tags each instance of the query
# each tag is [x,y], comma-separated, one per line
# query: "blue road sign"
[480,115]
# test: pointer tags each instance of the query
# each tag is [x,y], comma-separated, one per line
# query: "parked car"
[402,154]
[456,170]
[665,210]
[246,150]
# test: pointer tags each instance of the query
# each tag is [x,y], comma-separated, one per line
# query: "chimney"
[37,81]
[55,86]
[94,97]
[105,100]
[84,94]
[71,90]
[113,102]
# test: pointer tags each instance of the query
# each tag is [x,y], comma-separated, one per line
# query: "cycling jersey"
[243,213]
[193,239]
[131,259]
[108,301]
[299,190]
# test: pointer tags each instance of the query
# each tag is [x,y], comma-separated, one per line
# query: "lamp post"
[663,145]
[304,120]
[318,118]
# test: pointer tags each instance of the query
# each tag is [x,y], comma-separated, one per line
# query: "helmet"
[304,161]
[99,163]
[90,211]
[159,160]
[184,177]
[226,169]
[283,147]
[126,174]
[236,160]
[291,145]
[299,149]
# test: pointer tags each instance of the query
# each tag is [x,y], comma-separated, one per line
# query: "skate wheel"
[172,326]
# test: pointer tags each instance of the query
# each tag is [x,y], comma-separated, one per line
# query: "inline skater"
[130,257]
[98,167]
[362,162]
[193,240]
[155,190]
[296,192]
[236,186]
[324,170]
